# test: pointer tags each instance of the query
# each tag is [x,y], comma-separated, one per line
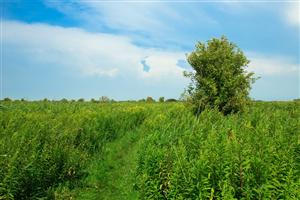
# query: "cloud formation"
[135,49]
[271,65]
[90,54]
[148,23]
[100,54]
[292,14]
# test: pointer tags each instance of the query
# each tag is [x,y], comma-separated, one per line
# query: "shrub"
[150,99]
[219,78]
[104,99]
[93,100]
[64,100]
[81,100]
[171,100]
[6,99]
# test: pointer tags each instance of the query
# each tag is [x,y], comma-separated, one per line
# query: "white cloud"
[163,64]
[90,54]
[98,54]
[146,22]
[271,65]
[126,16]
[288,11]
[292,14]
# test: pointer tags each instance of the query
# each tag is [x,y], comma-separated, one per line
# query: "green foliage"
[64,100]
[57,150]
[94,100]
[45,147]
[161,99]
[171,100]
[219,78]
[81,100]
[104,99]
[253,155]
[7,99]
[150,100]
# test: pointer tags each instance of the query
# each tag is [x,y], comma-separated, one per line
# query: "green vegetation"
[219,79]
[150,100]
[142,150]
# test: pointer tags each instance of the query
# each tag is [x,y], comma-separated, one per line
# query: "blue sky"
[135,49]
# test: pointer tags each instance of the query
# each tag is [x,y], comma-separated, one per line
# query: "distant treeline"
[103,99]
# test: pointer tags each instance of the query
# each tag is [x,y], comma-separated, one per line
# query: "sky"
[129,50]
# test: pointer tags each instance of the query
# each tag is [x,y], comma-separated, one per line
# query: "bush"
[64,100]
[6,99]
[171,100]
[161,99]
[219,78]
[93,100]
[104,99]
[150,99]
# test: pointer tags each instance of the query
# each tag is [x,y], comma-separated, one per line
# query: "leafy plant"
[219,78]
[57,150]
[161,99]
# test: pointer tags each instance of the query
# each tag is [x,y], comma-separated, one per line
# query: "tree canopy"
[219,79]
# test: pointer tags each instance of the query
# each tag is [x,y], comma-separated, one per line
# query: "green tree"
[64,100]
[7,99]
[150,99]
[219,78]
[104,99]
[171,100]
[93,100]
[161,99]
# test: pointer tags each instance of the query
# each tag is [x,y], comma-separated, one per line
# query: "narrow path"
[112,176]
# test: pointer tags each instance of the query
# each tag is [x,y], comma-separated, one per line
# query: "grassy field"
[84,150]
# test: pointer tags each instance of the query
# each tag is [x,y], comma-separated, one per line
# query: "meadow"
[139,150]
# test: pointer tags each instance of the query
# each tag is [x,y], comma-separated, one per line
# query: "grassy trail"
[112,177]
[68,151]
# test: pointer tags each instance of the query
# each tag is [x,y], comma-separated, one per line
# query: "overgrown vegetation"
[254,155]
[64,150]
[46,147]
[219,79]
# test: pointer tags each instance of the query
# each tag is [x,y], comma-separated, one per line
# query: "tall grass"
[45,145]
[253,155]
[47,150]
